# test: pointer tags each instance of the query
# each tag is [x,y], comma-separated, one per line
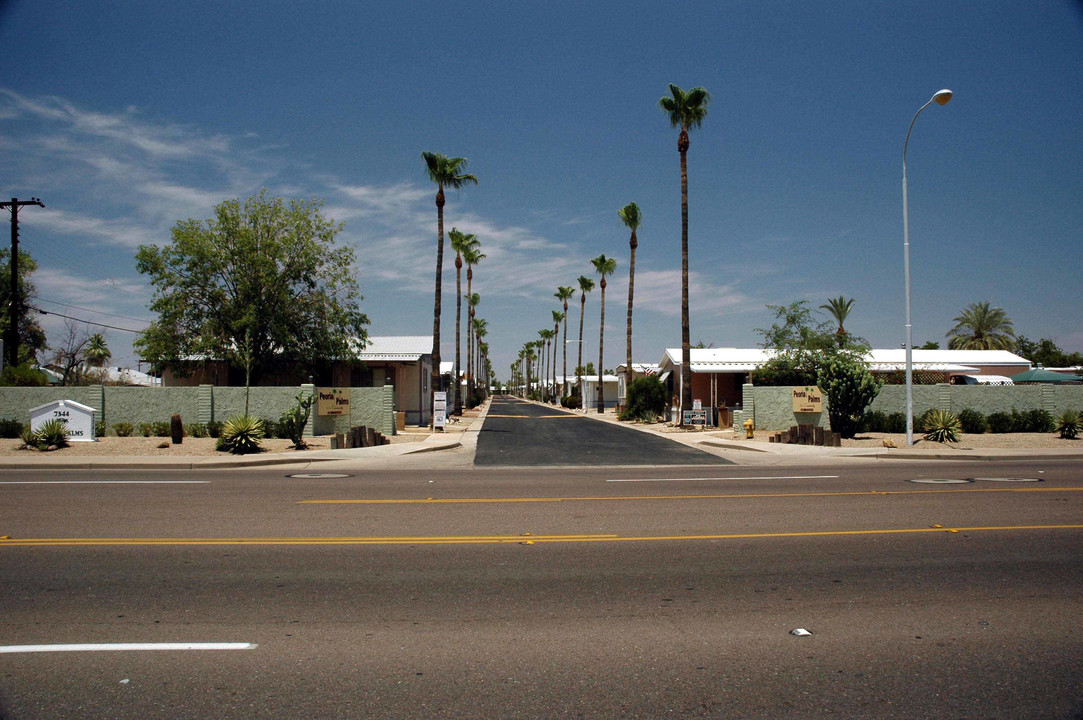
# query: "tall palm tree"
[472,301]
[631,217]
[586,284]
[558,317]
[445,172]
[471,257]
[980,327]
[480,331]
[603,266]
[461,243]
[565,293]
[839,308]
[686,110]
[546,335]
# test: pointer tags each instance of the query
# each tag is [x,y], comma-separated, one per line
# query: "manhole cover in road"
[1006,479]
[940,481]
[318,476]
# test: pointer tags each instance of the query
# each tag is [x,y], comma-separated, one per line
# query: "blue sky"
[127,117]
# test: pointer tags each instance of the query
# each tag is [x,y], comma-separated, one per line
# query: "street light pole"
[941,98]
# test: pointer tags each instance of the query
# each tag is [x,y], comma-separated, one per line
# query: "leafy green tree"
[461,243]
[603,266]
[586,284]
[445,172]
[802,344]
[260,284]
[686,110]
[32,338]
[845,379]
[646,399]
[632,218]
[1047,353]
[981,327]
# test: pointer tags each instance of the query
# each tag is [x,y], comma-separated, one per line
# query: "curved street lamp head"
[942,96]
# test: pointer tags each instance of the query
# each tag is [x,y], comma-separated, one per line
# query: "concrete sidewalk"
[463,433]
[762,452]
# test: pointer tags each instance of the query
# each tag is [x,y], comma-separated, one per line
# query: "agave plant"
[1069,425]
[241,435]
[942,426]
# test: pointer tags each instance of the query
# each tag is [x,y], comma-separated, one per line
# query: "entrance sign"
[439,410]
[332,401]
[78,418]
[695,417]
[808,400]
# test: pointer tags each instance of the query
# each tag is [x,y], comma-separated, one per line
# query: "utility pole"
[11,342]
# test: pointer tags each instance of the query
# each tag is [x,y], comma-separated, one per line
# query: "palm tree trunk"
[629,373]
[458,333]
[439,289]
[556,338]
[579,365]
[686,343]
[601,345]
[564,378]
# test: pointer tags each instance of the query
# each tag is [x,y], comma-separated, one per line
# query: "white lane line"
[760,477]
[105,482]
[106,647]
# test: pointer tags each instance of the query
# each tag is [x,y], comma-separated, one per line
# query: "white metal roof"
[403,348]
[723,360]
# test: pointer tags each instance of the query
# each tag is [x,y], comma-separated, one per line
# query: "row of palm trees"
[685,110]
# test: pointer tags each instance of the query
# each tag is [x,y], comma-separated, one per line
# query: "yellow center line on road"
[526,539]
[623,498]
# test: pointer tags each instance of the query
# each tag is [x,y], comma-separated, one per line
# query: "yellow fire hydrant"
[748,428]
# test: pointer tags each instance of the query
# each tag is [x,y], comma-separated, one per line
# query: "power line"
[88,322]
[98,312]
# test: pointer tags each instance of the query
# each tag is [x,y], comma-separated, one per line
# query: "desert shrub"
[196,430]
[572,402]
[920,420]
[99,428]
[896,423]
[123,429]
[241,435]
[159,429]
[646,399]
[1000,422]
[941,426]
[52,434]
[23,376]
[1069,425]
[973,422]
[293,421]
[1038,421]
[10,428]
[873,421]
[146,429]
[214,428]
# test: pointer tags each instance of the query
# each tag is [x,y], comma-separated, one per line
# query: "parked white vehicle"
[981,380]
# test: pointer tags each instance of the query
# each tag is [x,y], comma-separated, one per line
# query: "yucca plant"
[241,435]
[1069,425]
[52,434]
[942,426]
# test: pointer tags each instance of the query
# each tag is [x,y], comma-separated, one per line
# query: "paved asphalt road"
[643,592]
[521,433]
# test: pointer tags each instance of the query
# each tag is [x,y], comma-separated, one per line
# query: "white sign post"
[439,410]
[78,418]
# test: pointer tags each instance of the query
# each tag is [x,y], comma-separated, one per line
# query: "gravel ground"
[144,446]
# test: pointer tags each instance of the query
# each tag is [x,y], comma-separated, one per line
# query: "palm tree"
[461,243]
[96,352]
[631,217]
[472,301]
[586,284]
[546,335]
[603,266]
[980,327]
[565,293]
[480,331]
[686,110]
[839,308]
[558,316]
[445,172]
[471,257]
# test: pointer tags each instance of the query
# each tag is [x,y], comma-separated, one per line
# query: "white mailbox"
[78,417]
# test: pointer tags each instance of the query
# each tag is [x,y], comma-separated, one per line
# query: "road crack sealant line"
[524,539]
